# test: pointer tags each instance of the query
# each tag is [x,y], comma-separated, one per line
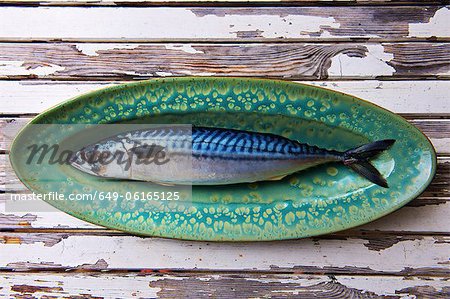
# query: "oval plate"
[321,200]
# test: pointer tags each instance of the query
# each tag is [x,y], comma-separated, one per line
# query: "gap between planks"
[216,41]
[200,272]
[196,272]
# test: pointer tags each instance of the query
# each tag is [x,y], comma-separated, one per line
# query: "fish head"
[109,159]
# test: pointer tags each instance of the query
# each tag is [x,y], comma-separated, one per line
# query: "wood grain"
[299,61]
[219,23]
[220,285]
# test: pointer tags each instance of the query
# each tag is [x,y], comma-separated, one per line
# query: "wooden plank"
[439,187]
[426,214]
[218,23]
[32,220]
[295,61]
[438,131]
[224,3]
[432,205]
[421,216]
[428,97]
[219,285]
[428,217]
[380,254]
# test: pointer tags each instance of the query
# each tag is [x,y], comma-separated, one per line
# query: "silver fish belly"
[215,156]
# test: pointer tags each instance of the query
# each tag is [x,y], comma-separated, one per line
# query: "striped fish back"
[225,142]
[232,142]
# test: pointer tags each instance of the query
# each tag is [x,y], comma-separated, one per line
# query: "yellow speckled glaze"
[324,199]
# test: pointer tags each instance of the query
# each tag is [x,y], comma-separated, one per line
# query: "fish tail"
[358,160]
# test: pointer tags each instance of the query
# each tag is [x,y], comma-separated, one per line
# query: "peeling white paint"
[86,249]
[187,72]
[35,96]
[205,74]
[19,68]
[92,49]
[164,74]
[439,25]
[311,280]
[132,73]
[164,23]
[273,26]
[124,286]
[327,34]
[151,23]
[441,145]
[138,285]
[185,48]
[388,286]
[373,64]
[398,96]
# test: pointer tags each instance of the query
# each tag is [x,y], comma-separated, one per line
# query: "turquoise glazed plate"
[321,200]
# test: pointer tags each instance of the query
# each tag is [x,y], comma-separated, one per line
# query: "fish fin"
[357,159]
[365,169]
[277,178]
[371,149]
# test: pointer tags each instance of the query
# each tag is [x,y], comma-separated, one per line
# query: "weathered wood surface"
[423,99]
[379,50]
[218,23]
[222,285]
[363,254]
[301,61]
